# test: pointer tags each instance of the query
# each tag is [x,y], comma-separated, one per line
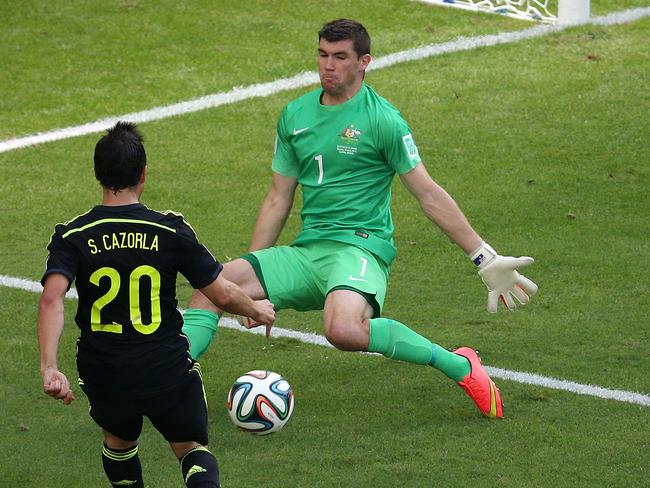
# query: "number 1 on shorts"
[364,263]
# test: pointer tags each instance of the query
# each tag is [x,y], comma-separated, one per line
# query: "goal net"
[521,9]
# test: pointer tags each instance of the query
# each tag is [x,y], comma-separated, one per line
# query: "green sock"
[199,326]
[453,365]
[396,341]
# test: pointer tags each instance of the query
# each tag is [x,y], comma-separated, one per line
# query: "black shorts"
[180,414]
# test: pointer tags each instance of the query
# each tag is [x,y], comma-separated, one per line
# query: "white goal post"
[549,11]
[573,11]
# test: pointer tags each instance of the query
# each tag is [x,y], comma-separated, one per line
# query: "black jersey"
[124,261]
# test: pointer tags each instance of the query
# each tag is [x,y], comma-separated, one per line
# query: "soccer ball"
[260,402]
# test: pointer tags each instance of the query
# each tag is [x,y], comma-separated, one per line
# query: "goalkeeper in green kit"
[343,144]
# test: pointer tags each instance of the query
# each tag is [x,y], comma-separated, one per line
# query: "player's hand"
[503,281]
[265,315]
[56,385]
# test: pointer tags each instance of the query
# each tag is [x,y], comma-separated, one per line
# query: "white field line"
[315,339]
[309,78]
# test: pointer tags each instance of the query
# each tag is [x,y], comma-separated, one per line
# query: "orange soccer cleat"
[478,385]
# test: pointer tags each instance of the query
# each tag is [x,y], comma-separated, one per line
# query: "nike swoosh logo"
[352,278]
[298,131]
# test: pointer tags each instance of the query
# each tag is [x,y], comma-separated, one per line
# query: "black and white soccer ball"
[260,402]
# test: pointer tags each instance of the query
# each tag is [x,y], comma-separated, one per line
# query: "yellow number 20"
[134,299]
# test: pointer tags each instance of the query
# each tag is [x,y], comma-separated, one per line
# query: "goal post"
[548,11]
[573,11]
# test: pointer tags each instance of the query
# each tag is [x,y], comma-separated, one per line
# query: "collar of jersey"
[345,105]
[119,208]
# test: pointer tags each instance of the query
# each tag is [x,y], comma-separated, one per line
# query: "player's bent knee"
[182,448]
[346,336]
[114,442]
[199,300]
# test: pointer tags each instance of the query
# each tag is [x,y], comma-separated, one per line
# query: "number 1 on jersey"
[319,158]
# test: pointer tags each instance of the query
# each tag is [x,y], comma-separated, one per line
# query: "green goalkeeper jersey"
[345,157]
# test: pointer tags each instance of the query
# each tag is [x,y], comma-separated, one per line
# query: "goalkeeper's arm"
[499,273]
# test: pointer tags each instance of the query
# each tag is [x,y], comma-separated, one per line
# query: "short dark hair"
[346,29]
[120,157]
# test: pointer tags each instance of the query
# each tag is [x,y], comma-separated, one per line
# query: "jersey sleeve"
[284,158]
[398,143]
[197,264]
[62,258]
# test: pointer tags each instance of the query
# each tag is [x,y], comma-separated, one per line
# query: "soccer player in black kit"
[132,357]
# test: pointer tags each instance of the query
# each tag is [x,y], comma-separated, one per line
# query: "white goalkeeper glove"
[499,273]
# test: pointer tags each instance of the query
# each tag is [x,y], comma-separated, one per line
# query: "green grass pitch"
[544,144]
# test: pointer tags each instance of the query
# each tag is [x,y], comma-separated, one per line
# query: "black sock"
[122,467]
[200,469]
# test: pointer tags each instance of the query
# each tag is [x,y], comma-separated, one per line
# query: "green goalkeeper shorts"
[300,277]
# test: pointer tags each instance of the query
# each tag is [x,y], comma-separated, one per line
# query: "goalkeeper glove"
[499,273]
